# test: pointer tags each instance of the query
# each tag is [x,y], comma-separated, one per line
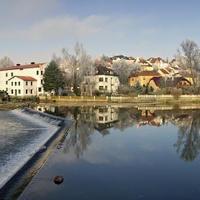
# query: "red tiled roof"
[26,78]
[35,65]
[164,71]
[148,73]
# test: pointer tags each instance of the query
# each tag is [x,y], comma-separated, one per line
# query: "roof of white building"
[18,66]
[24,78]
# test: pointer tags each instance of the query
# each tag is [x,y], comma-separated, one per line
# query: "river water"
[110,152]
[120,153]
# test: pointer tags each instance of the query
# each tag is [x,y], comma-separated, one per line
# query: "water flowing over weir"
[24,132]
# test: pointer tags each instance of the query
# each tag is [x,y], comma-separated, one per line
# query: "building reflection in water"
[103,118]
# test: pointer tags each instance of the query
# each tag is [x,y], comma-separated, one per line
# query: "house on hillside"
[23,80]
[142,77]
[157,62]
[105,81]
[145,66]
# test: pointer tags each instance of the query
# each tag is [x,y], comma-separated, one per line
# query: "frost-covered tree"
[124,70]
[6,62]
[189,59]
[76,65]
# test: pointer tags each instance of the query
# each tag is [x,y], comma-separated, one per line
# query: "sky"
[34,30]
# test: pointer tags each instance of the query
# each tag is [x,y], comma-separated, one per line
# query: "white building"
[104,81]
[23,80]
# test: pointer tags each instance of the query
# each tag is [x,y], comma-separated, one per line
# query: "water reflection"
[89,119]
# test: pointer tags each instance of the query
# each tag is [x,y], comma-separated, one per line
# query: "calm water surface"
[123,154]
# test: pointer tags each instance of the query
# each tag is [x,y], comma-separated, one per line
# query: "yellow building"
[142,77]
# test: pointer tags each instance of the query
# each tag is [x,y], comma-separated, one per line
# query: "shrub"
[176,93]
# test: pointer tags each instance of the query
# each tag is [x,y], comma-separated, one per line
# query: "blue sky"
[32,30]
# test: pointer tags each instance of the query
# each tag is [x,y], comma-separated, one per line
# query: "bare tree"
[6,62]
[189,59]
[124,70]
[76,65]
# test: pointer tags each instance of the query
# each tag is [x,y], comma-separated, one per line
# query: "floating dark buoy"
[58,180]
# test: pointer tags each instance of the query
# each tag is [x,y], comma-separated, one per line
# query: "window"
[26,82]
[15,83]
[11,83]
[31,83]
[144,78]
[100,118]
[26,91]
[41,72]
[31,91]
[41,81]
[11,91]
[100,87]
[6,74]
[39,89]
[18,83]
[106,79]
[11,73]
[6,82]
[19,91]
[100,79]
[106,87]
[101,110]
[37,72]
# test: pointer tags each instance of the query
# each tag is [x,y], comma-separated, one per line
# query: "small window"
[39,89]
[15,83]
[101,79]
[26,82]
[6,74]
[100,118]
[19,91]
[6,82]
[31,83]
[11,73]
[100,87]
[18,83]
[106,79]
[11,91]
[31,91]
[41,72]
[26,91]
[11,83]
[37,72]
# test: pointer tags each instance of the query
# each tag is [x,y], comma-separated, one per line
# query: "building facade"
[23,80]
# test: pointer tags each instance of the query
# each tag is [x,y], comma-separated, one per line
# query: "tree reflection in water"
[89,119]
[188,140]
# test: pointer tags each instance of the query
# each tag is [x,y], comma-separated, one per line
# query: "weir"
[23,134]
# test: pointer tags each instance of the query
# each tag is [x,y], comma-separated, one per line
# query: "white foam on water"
[21,140]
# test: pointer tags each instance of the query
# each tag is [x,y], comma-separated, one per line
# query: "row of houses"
[27,80]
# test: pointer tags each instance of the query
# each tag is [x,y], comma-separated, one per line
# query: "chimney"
[32,63]
[17,64]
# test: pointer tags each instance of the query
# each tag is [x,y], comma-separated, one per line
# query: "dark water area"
[123,153]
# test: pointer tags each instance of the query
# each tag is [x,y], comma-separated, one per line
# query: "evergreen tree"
[53,79]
